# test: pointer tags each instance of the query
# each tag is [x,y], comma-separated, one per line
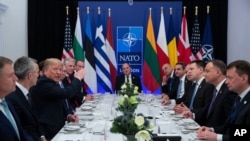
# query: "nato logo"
[129,39]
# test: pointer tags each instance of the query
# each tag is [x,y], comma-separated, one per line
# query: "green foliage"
[126,125]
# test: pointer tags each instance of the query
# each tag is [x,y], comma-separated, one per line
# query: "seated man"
[48,97]
[127,77]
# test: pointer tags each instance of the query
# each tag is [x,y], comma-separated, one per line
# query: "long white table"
[96,119]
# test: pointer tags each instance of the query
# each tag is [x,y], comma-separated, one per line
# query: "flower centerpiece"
[128,101]
[130,124]
[129,89]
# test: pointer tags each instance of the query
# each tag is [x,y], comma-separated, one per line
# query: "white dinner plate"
[71,127]
[192,127]
[86,108]
[179,116]
[187,120]
[84,113]
[86,118]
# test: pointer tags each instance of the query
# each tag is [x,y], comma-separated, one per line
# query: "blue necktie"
[235,108]
[66,100]
[9,117]
[179,89]
[212,102]
[193,96]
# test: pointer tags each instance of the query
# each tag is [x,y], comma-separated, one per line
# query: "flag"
[185,54]
[172,47]
[90,78]
[151,72]
[195,40]
[67,48]
[111,52]
[162,49]
[77,42]
[207,42]
[101,58]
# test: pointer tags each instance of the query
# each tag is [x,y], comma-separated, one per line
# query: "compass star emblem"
[129,39]
[207,52]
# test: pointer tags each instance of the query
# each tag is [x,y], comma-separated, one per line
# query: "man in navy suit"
[180,85]
[238,80]
[216,113]
[48,97]
[167,80]
[199,95]
[127,77]
[10,128]
[27,71]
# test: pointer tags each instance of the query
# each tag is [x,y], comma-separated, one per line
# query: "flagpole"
[109,12]
[196,10]
[77,10]
[99,10]
[67,10]
[150,9]
[184,9]
[170,10]
[87,9]
[208,8]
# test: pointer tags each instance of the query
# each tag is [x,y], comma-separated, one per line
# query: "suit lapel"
[217,97]
[243,103]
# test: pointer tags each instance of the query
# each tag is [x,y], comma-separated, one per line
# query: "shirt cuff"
[83,99]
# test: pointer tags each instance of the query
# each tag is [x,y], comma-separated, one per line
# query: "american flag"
[68,47]
[195,41]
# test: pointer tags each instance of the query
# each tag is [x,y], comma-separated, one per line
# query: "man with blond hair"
[47,96]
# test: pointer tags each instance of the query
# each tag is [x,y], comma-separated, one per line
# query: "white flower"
[143,135]
[139,121]
[123,86]
[136,88]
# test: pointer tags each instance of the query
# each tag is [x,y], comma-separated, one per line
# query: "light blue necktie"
[8,115]
[193,96]
[179,89]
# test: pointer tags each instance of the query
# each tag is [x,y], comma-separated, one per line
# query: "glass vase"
[130,138]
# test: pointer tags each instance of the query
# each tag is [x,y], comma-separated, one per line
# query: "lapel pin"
[245,102]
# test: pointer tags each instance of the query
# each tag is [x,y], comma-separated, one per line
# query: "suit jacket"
[242,118]
[173,93]
[7,132]
[220,110]
[48,98]
[202,98]
[26,114]
[167,88]
[76,100]
[120,80]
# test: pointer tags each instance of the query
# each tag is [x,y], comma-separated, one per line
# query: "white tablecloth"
[98,124]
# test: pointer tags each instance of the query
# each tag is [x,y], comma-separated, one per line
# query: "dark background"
[46,23]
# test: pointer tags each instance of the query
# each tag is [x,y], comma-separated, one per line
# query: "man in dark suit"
[27,72]
[48,97]
[238,80]
[72,66]
[199,95]
[127,77]
[180,85]
[167,79]
[216,113]
[10,127]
